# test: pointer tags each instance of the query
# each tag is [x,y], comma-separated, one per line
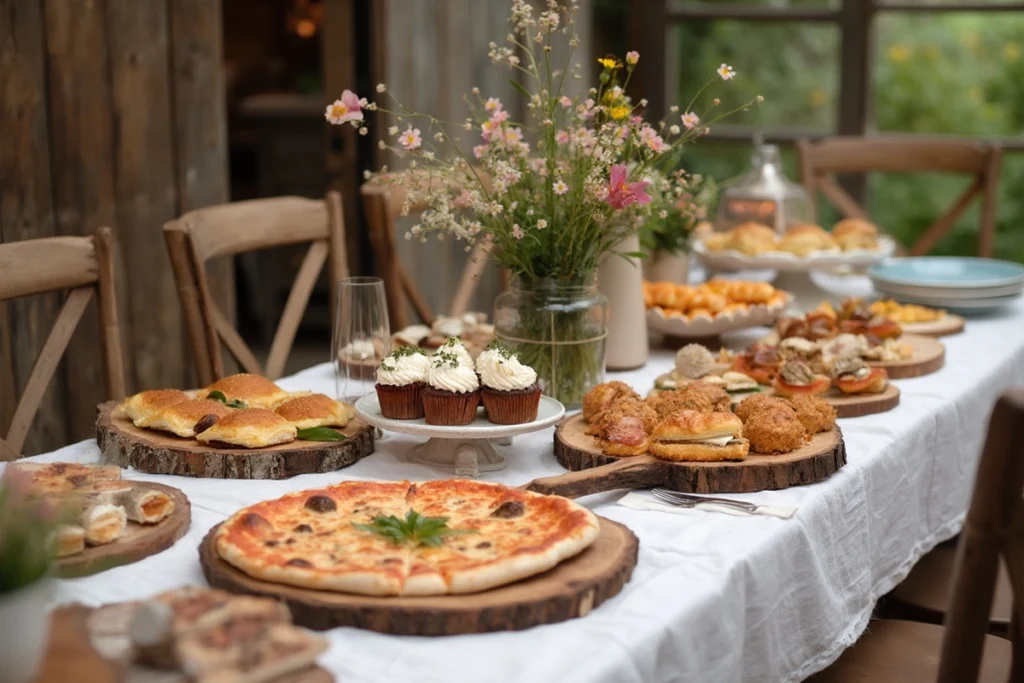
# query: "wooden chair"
[819,161]
[962,651]
[85,266]
[229,229]
[382,204]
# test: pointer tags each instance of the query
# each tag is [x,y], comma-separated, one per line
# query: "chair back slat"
[298,298]
[83,265]
[46,364]
[231,229]
[46,265]
[820,161]
[993,529]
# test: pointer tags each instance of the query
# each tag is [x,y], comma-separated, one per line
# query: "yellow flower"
[610,63]
[899,53]
[1011,51]
[620,112]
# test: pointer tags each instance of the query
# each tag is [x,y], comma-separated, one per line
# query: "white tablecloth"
[714,598]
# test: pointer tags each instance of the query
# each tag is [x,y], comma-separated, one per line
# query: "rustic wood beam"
[646,28]
[886,6]
[684,12]
[855,80]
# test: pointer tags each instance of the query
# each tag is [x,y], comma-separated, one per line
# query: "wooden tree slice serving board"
[593,472]
[946,325]
[92,645]
[157,452]
[859,405]
[928,357]
[572,589]
[139,540]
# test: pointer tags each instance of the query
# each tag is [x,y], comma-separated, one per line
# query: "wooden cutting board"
[593,472]
[944,326]
[157,452]
[91,646]
[570,590]
[929,355]
[139,540]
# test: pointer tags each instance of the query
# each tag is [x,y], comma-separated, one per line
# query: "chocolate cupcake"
[400,383]
[452,394]
[510,392]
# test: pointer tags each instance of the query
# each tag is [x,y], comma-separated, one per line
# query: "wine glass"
[361,337]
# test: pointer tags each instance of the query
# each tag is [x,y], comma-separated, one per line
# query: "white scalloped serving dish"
[677,325]
[730,259]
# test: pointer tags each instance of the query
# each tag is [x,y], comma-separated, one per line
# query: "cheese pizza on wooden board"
[402,538]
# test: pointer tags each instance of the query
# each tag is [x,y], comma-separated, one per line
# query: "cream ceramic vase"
[621,281]
[668,266]
[25,626]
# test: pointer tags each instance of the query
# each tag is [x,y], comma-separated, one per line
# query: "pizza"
[402,538]
[51,477]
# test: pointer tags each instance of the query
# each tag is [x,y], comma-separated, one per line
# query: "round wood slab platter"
[139,540]
[929,356]
[944,326]
[572,589]
[593,472]
[158,452]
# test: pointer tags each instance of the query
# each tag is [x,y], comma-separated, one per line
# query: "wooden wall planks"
[113,114]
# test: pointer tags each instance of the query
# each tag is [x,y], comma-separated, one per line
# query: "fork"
[688,500]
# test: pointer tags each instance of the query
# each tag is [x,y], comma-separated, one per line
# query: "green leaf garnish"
[320,434]
[416,530]
[218,395]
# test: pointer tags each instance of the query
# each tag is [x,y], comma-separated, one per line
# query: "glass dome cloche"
[763,195]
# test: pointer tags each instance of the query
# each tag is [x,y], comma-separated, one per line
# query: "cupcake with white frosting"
[401,378]
[455,347]
[510,392]
[452,394]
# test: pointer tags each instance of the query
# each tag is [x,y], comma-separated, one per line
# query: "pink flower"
[636,120]
[345,109]
[632,57]
[513,136]
[492,104]
[691,120]
[487,129]
[410,139]
[562,137]
[650,138]
[479,151]
[560,187]
[565,101]
[726,72]
[517,232]
[620,195]
[499,116]
[541,224]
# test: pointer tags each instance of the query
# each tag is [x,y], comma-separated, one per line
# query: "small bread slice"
[181,419]
[250,428]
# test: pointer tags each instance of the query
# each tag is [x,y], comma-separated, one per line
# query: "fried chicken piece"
[774,431]
[720,401]
[626,406]
[601,398]
[814,413]
[760,403]
[625,436]
[699,396]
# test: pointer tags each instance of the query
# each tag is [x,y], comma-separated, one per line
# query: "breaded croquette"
[774,431]
[759,403]
[814,413]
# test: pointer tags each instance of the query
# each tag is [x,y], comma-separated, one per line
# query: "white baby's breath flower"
[393,130]
[363,130]
[381,144]
[674,130]
[381,87]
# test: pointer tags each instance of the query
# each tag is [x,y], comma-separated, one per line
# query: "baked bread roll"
[250,428]
[252,390]
[185,419]
[805,238]
[148,403]
[316,410]
[68,539]
[855,233]
[753,239]
[103,523]
[688,435]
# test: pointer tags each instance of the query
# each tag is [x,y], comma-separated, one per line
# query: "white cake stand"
[465,450]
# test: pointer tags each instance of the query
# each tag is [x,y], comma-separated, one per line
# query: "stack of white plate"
[959,283]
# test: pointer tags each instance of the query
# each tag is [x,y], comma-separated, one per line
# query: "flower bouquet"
[549,193]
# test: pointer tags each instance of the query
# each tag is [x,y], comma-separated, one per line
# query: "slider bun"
[690,424]
[854,226]
[624,449]
[252,390]
[148,403]
[250,428]
[700,452]
[315,410]
[181,418]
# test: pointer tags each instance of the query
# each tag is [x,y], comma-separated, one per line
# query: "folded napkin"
[644,500]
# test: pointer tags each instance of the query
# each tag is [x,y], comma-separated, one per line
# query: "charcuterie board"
[929,355]
[139,540]
[592,471]
[572,589]
[124,444]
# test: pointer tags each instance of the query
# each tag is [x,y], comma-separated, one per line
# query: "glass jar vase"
[559,327]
